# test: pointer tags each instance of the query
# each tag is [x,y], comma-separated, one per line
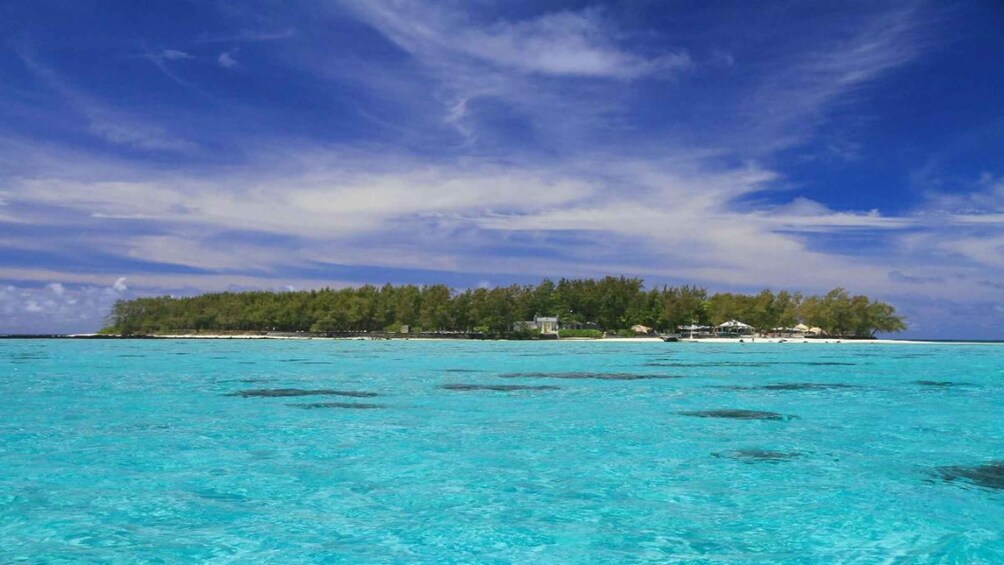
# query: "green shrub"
[525,334]
[595,334]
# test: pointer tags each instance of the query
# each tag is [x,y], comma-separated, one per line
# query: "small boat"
[670,337]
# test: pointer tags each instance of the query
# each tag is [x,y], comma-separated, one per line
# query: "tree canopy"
[613,303]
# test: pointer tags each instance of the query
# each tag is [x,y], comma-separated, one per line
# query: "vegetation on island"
[614,304]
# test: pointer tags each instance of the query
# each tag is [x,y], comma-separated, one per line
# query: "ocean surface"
[179,451]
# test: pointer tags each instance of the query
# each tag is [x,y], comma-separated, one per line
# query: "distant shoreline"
[639,339]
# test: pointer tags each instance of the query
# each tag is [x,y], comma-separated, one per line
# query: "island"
[568,308]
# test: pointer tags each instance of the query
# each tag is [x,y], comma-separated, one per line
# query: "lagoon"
[504,452]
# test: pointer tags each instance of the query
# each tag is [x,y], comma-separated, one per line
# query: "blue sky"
[178,147]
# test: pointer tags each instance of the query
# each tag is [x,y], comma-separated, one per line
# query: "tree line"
[612,303]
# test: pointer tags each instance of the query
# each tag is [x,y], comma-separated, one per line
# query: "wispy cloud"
[798,91]
[247,36]
[118,128]
[113,126]
[163,60]
[561,43]
[226,59]
[171,55]
[985,198]
[534,69]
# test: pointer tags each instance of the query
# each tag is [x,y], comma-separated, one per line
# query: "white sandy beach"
[608,340]
[746,340]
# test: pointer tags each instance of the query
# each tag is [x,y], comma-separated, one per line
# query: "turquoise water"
[129,451]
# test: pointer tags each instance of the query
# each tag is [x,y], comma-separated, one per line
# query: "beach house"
[546,325]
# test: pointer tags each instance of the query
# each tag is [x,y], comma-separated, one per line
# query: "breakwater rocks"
[497,388]
[988,475]
[597,376]
[757,455]
[346,405]
[737,414]
[792,386]
[284,392]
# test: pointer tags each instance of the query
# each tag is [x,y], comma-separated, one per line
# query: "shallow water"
[502,452]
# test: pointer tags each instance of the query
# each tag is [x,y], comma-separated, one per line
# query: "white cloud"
[987,198]
[168,61]
[174,55]
[54,308]
[805,215]
[561,43]
[984,250]
[683,219]
[565,43]
[226,59]
[328,201]
[193,251]
[120,129]
[963,228]
[564,77]
[120,285]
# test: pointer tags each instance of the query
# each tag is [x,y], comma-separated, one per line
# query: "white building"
[543,324]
